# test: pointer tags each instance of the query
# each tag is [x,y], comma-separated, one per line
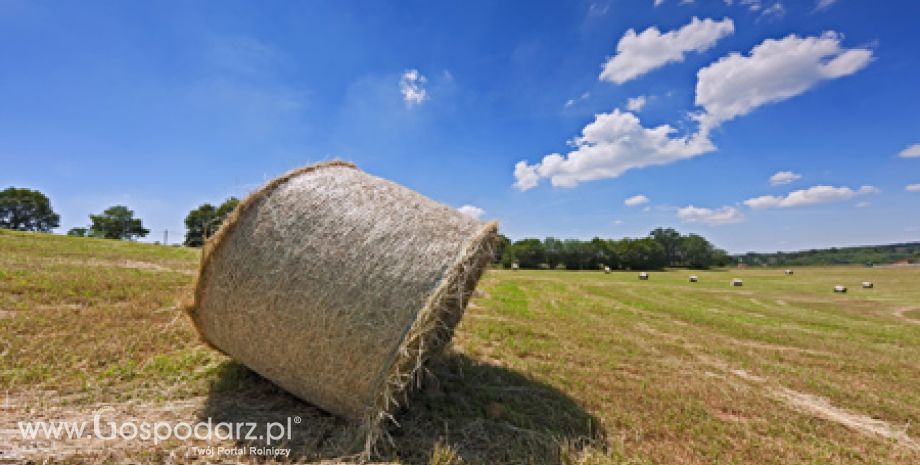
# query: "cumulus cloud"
[911,151]
[810,196]
[784,177]
[636,200]
[640,53]
[775,70]
[613,143]
[912,188]
[471,211]
[635,104]
[412,86]
[713,217]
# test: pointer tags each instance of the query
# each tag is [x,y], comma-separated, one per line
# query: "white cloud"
[822,4]
[635,104]
[784,177]
[471,211]
[636,200]
[412,86]
[638,54]
[597,9]
[613,143]
[713,217]
[810,196]
[777,9]
[912,188]
[570,102]
[911,151]
[775,70]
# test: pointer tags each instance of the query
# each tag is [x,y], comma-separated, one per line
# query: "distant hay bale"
[839,288]
[789,272]
[643,276]
[694,278]
[607,270]
[867,285]
[338,285]
[737,282]
[514,267]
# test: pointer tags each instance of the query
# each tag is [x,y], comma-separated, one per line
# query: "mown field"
[547,367]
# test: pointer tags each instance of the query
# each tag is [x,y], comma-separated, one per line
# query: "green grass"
[547,367]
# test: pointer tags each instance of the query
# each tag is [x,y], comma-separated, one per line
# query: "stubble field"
[546,367]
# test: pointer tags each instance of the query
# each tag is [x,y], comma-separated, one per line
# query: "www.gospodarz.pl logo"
[267,433]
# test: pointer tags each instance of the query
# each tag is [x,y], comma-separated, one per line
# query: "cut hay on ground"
[338,285]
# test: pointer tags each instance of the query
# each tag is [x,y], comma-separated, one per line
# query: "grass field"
[547,367]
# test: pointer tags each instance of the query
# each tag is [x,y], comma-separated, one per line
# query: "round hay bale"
[737,282]
[337,286]
[606,270]
[643,276]
[867,285]
[514,266]
[839,288]
[789,272]
[694,278]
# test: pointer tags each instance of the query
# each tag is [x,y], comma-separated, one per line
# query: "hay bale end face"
[607,270]
[337,285]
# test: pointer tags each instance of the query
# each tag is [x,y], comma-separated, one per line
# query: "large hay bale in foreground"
[337,285]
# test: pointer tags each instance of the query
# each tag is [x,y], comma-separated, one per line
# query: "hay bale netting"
[337,285]
[840,288]
[643,276]
[737,282]
[868,285]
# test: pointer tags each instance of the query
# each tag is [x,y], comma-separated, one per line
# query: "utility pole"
[165,237]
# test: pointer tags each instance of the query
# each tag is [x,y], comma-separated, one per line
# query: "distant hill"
[876,254]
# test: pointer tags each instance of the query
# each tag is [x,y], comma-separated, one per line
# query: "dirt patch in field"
[909,314]
[126,264]
[822,408]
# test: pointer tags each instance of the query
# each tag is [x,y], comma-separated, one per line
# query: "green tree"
[528,253]
[697,251]
[78,232]
[26,210]
[553,252]
[670,241]
[501,244]
[202,222]
[117,222]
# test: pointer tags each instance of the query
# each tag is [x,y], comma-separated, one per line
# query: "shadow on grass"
[482,413]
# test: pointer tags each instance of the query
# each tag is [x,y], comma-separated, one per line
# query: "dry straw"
[338,285]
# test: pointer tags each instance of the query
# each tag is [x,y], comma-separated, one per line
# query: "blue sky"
[163,106]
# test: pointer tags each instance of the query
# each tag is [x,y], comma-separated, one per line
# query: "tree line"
[30,210]
[663,247]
